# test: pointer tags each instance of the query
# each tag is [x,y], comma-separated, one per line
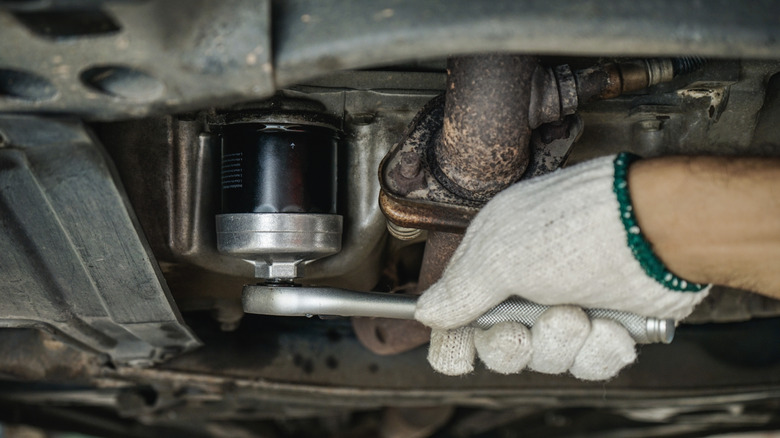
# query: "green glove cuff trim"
[640,247]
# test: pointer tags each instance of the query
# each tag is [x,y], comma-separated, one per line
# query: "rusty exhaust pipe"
[483,148]
[484,143]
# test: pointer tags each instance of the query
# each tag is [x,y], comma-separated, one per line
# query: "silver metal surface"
[73,259]
[403,233]
[279,244]
[659,70]
[327,301]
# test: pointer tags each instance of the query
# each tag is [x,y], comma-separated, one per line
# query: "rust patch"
[424,214]
[390,336]
[407,174]
[485,135]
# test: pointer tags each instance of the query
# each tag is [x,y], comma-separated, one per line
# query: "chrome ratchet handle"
[310,301]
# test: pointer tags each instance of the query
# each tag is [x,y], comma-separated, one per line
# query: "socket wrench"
[283,300]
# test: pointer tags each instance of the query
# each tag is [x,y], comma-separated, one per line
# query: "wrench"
[280,300]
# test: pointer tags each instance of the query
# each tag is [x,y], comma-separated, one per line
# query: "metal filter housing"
[278,196]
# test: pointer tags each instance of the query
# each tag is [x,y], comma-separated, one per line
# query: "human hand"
[568,238]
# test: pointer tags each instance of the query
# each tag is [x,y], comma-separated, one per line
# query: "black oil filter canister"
[278,168]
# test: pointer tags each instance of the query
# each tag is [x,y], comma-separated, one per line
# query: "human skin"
[712,219]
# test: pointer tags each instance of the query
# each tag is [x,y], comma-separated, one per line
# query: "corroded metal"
[553,95]
[390,336]
[438,250]
[610,80]
[417,191]
[598,82]
[399,173]
[483,144]
[425,214]
[550,145]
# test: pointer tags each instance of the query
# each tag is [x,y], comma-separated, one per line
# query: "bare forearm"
[712,219]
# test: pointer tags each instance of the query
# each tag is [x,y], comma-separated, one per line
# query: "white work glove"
[567,239]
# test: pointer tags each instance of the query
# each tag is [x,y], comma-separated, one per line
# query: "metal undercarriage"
[117,306]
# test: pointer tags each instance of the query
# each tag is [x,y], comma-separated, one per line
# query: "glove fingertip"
[452,352]
[608,349]
[504,348]
[558,336]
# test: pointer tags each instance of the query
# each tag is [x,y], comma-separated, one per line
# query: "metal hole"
[62,25]
[18,84]
[123,82]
